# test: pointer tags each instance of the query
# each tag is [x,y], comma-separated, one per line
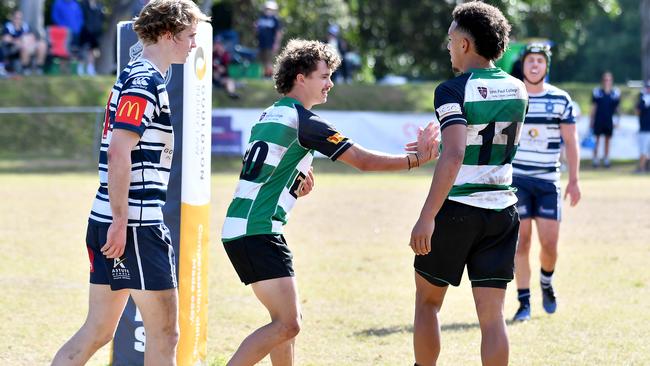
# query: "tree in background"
[409,37]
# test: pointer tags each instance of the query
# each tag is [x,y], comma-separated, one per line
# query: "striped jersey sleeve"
[136,104]
[448,102]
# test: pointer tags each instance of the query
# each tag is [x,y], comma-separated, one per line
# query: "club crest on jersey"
[483,91]
[336,138]
[549,107]
[533,133]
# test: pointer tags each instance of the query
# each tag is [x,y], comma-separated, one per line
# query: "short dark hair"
[486,25]
[301,57]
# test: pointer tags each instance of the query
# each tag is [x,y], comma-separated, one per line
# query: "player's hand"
[427,145]
[115,241]
[307,184]
[421,236]
[573,191]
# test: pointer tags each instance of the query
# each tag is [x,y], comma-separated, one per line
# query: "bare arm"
[119,180]
[369,160]
[570,136]
[454,139]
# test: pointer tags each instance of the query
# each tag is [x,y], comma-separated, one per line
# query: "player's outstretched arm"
[570,136]
[119,179]
[368,160]
[454,138]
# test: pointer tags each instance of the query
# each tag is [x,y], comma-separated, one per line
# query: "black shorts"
[260,257]
[603,129]
[148,262]
[485,240]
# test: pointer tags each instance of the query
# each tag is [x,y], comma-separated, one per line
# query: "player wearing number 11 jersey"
[469,216]
[276,171]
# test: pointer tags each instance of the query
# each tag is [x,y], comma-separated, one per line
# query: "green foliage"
[5,9]
[409,37]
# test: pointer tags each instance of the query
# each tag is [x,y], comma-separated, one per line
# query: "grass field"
[354,270]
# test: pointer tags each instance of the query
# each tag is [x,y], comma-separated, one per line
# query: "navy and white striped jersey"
[538,155]
[138,102]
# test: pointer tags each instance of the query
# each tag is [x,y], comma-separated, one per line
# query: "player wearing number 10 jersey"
[276,171]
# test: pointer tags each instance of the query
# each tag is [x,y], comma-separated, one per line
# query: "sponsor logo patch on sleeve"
[130,110]
[336,138]
[448,110]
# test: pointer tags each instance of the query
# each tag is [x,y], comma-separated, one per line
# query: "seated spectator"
[20,45]
[68,13]
[220,61]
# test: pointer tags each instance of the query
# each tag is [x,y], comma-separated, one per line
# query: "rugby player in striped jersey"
[129,246]
[276,172]
[536,175]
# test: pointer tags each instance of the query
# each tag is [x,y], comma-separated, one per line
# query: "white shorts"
[644,143]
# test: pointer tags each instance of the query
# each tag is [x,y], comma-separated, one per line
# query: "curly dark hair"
[301,57]
[162,16]
[486,25]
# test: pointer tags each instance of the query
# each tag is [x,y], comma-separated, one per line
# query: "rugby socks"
[523,295]
[545,278]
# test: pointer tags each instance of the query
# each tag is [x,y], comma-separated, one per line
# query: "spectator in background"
[604,105]
[269,35]
[643,111]
[20,44]
[220,61]
[91,31]
[68,13]
[337,42]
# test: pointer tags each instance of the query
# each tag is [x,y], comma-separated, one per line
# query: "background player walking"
[536,175]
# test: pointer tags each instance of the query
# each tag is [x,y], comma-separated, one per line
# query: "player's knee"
[428,302]
[549,247]
[289,328]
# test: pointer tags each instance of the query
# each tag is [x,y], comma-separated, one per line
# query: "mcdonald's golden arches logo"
[130,110]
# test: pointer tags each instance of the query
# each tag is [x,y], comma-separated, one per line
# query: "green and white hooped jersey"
[278,158]
[492,104]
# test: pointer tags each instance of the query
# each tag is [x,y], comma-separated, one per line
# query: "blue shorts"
[537,198]
[148,262]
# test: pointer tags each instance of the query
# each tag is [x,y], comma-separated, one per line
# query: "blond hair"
[159,17]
